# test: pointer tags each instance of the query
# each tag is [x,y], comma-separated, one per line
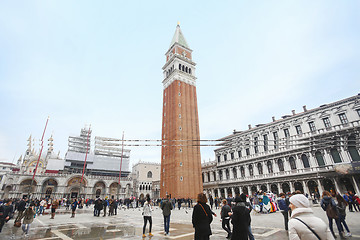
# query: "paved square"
[128,225]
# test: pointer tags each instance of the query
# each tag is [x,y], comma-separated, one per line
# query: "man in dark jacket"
[166,207]
[240,219]
[6,212]
[225,217]
[21,208]
[283,203]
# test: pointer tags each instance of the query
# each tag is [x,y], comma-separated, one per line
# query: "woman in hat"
[303,224]
[240,219]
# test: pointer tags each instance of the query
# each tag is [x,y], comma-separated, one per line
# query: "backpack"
[331,212]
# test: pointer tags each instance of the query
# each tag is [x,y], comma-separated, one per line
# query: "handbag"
[309,228]
[17,224]
[331,212]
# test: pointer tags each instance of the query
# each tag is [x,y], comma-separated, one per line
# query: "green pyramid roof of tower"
[179,38]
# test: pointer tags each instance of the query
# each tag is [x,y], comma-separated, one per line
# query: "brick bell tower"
[180,163]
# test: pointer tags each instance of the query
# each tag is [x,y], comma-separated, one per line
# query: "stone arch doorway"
[99,189]
[113,190]
[313,187]
[263,188]
[274,189]
[7,191]
[216,193]
[329,185]
[253,190]
[26,187]
[347,184]
[76,188]
[49,187]
[222,193]
[286,187]
[299,186]
[245,190]
[237,191]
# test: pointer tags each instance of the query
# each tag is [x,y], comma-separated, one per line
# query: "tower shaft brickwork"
[180,155]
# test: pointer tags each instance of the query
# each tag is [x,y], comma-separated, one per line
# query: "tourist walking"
[21,208]
[201,218]
[54,206]
[6,211]
[147,209]
[211,201]
[28,219]
[166,207]
[328,204]
[240,219]
[105,204]
[341,207]
[303,224]
[74,205]
[283,204]
[225,218]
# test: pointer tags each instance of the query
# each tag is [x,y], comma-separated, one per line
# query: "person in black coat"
[240,219]
[201,218]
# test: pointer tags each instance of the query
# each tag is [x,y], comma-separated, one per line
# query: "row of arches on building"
[181,68]
[312,187]
[145,187]
[293,164]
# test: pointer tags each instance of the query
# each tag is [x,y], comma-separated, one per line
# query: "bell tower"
[180,153]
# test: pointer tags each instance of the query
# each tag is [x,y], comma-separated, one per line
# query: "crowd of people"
[299,219]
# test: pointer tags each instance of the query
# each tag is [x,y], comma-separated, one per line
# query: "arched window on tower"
[220,175]
[234,172]
[208,175]
[190,70]
[186,69]
[179,66]
[242,171]
[183,68]
[149,174]
[251,170]
[227,174]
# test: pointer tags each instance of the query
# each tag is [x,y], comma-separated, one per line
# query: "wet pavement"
[127,224]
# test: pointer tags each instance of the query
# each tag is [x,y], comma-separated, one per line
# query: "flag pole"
[37,163]
[122,152]
[87,147]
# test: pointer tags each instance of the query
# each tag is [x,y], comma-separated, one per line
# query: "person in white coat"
[147,215]
[303,224]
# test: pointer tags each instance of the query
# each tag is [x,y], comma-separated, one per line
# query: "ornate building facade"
[312,151]
[146,176]
[180,160]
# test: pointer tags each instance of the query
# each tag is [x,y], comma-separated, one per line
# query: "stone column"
[344,155]
[231,173]
[320,187]
[212,192]
[327,158]
[217,175]
[356,185]
[312,161]
[306,190]
[232,191]
[247,172]
[337,186]
[268,185]
[225,192]
[298,162]
[238,173]
[240,190]
[292,189]
[279,187]
[286,164]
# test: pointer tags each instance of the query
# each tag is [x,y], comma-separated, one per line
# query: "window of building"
[179,115]
[234,172]
[327,122]
[247,151]
[239,154]
[281,165]
[286,132]
[358,111]
[208,176]
[242,171]
[256,145]
[227,174]
[232,155]
[219,159]
[265,142]
[179,93]
[292,163]
[269,166]
[180,128]
[179,104]
[319,159]
[180,149]
[276,137]
[179,66]
[149,174]
[260,168]
[181,179]
[335,155]
[220,175]
[354,154]
[251,170]
[225,157]
[343,118]
[181,164]
[312,126]
[305,161]
[214,176]
[298,129]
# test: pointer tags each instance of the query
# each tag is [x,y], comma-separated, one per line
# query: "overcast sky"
[99,63]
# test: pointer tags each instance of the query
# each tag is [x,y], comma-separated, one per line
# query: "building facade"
[180,153]
[312,151]
[146,178]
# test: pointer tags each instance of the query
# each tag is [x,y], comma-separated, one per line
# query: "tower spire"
[179,38]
